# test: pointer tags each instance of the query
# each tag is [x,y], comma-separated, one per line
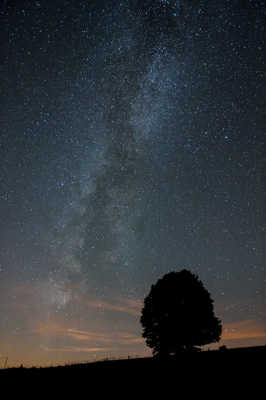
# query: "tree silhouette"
[178,315]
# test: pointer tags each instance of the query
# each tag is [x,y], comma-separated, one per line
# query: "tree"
[178,315]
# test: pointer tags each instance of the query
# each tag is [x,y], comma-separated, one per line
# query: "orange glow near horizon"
[59,344]
[50,339]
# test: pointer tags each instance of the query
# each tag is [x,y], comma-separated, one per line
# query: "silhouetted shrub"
[223,348]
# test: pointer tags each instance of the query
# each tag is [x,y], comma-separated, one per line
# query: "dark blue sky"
[132,143]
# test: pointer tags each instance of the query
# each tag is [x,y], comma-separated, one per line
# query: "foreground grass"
[192,371]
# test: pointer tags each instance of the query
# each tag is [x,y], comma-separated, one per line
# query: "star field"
[132,143]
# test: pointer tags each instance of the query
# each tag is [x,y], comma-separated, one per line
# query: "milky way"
[132,144]
[138,98]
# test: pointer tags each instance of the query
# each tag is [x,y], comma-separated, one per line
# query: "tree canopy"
[178,315]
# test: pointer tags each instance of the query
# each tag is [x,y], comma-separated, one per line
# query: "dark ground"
[240,369]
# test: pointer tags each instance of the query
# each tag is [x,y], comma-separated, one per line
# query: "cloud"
[58,338]
[75,349]
[122,305]
[115,338]
[89,336]
[247,329]
[57,330]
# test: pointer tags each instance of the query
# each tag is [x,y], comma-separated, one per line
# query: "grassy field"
[190,371]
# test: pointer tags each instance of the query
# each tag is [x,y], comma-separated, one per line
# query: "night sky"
[132,143]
